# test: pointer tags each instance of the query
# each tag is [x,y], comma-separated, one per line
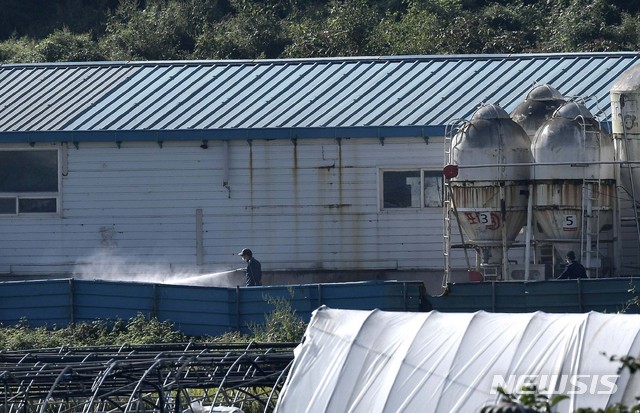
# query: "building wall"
[301,205]
[309,208]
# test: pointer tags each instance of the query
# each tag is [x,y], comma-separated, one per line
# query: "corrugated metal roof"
[377,96]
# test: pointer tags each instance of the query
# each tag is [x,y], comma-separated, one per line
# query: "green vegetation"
[81,30]
[281,325]
[531,398]
[137,330]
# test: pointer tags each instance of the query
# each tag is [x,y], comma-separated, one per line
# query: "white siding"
[305,204]
[300,205]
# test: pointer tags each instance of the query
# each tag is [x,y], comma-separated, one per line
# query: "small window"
[29,182]
[411,189]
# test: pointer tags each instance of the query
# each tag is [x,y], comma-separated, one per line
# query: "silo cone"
[490,190]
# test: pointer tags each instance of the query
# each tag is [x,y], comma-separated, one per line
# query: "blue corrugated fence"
[214,311]
[555,296]
[193,310]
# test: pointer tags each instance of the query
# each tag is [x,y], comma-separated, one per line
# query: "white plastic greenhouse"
[384,362]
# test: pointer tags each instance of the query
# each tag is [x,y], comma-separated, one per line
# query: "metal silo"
[490,188]
[574,191]
[625,116]
[539,105]
[625,110]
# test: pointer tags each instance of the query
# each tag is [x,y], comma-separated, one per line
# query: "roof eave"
[221,134]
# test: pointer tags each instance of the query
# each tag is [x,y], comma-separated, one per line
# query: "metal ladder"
[446,204]
[449,203]
[591,224]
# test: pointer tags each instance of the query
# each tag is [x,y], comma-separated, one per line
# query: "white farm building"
[328,169]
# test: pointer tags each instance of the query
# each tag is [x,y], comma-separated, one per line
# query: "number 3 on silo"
[570,223]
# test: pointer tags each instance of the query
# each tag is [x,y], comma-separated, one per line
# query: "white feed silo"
[574,186]
[538,107]
[625,122]
[625,111]
[490,190]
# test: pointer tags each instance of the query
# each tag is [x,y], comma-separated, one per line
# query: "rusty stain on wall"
[107,235]
[339,142]
[250,171]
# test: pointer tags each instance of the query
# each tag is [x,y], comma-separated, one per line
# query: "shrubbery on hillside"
[253,29]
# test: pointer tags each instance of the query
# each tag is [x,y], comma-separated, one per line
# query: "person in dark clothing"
[254,269]
[574,270]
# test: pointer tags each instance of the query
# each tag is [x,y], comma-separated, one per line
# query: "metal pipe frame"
[168,378]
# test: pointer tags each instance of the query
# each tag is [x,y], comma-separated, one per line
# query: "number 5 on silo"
[570,223]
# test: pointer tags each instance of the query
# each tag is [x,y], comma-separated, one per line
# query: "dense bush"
[65,30]
[282,325]
[137,330]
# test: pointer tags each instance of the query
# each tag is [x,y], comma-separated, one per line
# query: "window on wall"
[29,182]
[417,188]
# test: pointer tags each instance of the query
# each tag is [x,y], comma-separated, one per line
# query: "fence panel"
[108,300]
[388,296]
[559,296]
[553,296]
[41,304]
[195,311]
[610,295]
[466,297]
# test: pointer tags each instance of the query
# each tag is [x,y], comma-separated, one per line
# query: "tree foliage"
[252,30]
[89,30]
[162,30]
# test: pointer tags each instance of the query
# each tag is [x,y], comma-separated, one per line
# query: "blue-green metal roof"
[299,98]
